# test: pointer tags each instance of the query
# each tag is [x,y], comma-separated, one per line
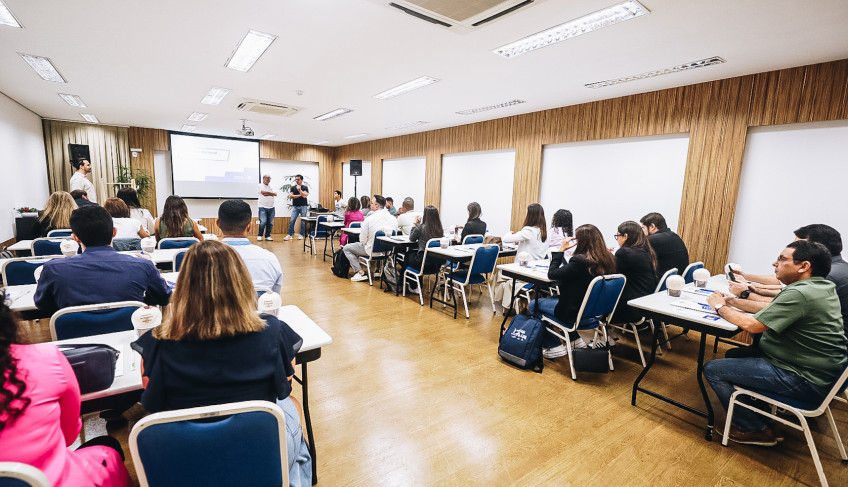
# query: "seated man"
[234,220]
[406,216]
[669,247]
[390,206]
[378,219]
[803,348]
[81,198]
[99,274]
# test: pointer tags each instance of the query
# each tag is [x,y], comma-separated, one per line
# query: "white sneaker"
[269,239]
[300,237]
[556,352]
[414,291]
[579,343]
[258,239]
[288,237]
[359,277]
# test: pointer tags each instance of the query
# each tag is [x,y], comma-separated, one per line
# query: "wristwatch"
[744,294]
[718,307]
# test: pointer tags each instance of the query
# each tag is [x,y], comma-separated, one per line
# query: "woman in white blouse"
[533,236]
[126,227]
[130,197]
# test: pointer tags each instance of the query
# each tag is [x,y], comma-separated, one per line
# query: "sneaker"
[765,437]
[414,291]
[258,239]
[556,352]
[269,239]
[288,237]
[300,237]
[579,343]
[359,277]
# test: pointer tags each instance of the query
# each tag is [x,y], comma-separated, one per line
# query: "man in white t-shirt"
[79,181]
[263,266]
[266,208]
[406,215]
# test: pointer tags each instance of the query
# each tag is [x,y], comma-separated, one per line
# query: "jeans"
[300,461]
[298,211]
[546,307]
[353,251]
[756,373]
[266,220]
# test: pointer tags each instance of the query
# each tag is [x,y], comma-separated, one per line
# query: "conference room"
[420,397]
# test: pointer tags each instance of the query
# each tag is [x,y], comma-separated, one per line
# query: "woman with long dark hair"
[561,228]
[636,259]
[40,415]
[427,226]
[224,351]
[175,222]
[352,214]
[533,234]
[591,259]
[130,197]
[474,225]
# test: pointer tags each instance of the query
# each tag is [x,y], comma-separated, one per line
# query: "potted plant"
[26,211]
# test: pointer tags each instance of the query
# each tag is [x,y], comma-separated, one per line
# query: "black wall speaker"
[356,167]
[78,151]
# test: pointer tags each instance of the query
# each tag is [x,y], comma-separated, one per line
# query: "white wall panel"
[485,177]
[405,177]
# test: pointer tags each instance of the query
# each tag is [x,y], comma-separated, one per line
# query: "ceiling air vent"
[459,16]
[266,108]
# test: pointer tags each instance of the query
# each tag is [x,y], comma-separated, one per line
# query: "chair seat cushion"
[459,276]
[808,404]
[585,324]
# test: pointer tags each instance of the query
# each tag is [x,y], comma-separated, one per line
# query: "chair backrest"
[16,474]
[93,319]
[690,270]
[355,225]
[60,232]
[176,243]
[379,245]
[21,270]
[126,244]
[177,261]
[318,231]
[602,297]
[838,388]
[241,443]
[46,246]
[484,261]
[473,238]
[661,286]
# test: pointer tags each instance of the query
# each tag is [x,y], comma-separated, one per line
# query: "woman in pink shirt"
[40,416]
[353,214]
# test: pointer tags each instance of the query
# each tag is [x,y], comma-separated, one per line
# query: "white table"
[21,245]
[334,227]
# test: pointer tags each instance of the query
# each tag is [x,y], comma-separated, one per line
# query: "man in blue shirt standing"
[99,274]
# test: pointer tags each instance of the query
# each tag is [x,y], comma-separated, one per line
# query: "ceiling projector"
[245,130]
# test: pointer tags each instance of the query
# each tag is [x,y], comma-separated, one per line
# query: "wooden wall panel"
[149,141]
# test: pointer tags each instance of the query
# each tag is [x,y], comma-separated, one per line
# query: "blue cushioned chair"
[177,261]
[93,319]
[176,243]
[689,272]
[46,246]
[317,232]
[415,274]
[379,253]
[21,270]
[241,443]
[355,225]
[482,264]
[16,474]
[801,409]
[598,305]
[60,232]
[472,238]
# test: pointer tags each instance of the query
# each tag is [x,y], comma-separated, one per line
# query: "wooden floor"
[406,395]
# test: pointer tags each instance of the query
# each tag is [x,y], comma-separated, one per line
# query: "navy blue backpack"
[521,345]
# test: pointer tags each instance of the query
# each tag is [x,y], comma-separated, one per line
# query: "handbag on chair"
[94,365]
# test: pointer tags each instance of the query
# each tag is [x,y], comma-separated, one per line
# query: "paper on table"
[700,291]
[695,306]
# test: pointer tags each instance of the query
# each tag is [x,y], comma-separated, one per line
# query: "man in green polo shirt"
[803,349]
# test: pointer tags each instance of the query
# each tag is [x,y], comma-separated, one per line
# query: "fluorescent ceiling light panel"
[405,125]
[711,61]
[338,112]
[188,128]
[406,87]
[354,136]
[72,100]
[89,118]
[490,107]
[249,50]
[6,16]
[573,28]
[268,136]
[43,67]
[214,96]
[322,142]
[198,117]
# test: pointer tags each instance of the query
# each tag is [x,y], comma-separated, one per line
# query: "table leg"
[710,415]
[654,345]
[308,420]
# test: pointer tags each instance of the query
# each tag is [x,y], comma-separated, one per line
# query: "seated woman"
[430,226]
[365,202]
[130,197]
[533,234]
[637,261]
[224,351]
[591,259]
[174,221]
[40,415]
[125,226]
[57,212]
[353,214]
[474,225]
[561,228]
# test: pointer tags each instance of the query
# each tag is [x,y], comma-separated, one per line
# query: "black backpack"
[521,345]
[341,266]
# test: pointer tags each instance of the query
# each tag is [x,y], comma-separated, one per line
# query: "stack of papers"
[695,306]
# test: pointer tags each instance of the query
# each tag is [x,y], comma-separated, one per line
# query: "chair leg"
[639,344]
[665,334]
[570,356]
[813,451]
[405,281]
[836,436]
[492,298]
[420,289]
[464,301]
[731,406]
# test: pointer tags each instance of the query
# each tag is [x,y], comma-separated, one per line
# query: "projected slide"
[213,167]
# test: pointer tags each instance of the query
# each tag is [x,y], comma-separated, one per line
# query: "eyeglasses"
[619,235]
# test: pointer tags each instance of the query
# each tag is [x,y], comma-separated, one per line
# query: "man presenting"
[79,181]
[266,208]
[669,247]
[803,347]
[300,206]
[263,266]
[378,219]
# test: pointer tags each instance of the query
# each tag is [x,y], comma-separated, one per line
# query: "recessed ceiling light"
[214,96]
[573,28]
[490,107]
[43,67]
[188,128]
[89,118]
[338,112]
[354,136]
[198,117]
[405,125]
[72,100]
[249,50]
[406,87]
[6,16]
[711,61]
[322,142]
[268,136]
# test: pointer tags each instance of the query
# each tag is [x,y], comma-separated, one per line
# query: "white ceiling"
[149,63]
